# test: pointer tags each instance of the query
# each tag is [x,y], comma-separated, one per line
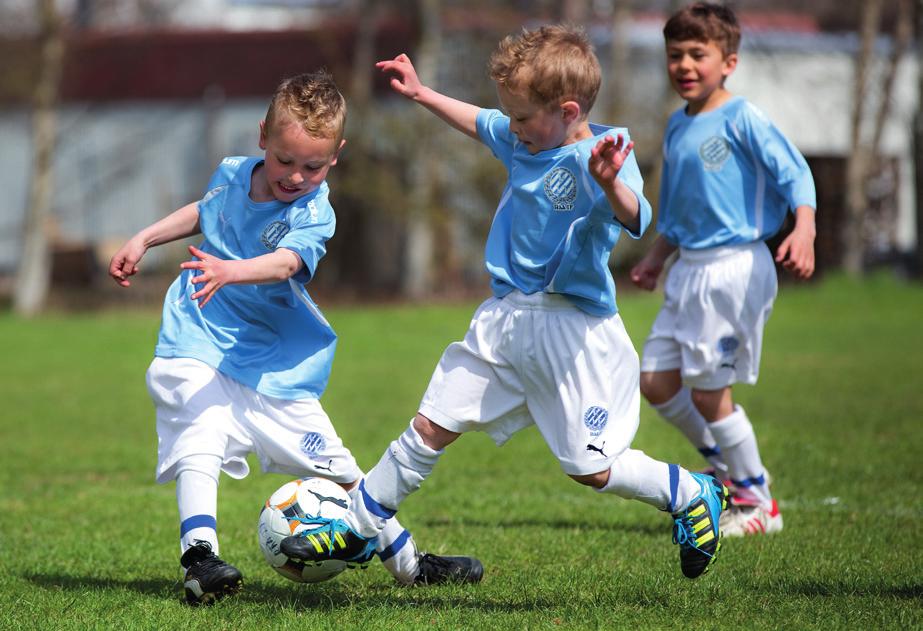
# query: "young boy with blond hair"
[729,179]
[549,347]
[243,353]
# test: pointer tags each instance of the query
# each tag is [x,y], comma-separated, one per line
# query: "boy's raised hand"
[215,273]
[406,82]
[607,158]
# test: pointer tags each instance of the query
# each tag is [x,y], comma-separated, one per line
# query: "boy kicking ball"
[548,348]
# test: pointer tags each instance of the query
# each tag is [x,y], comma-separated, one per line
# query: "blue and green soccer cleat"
[332,540]
[696,528]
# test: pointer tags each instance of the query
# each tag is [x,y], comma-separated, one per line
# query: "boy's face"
[697,71]
[537,128]
[296,163]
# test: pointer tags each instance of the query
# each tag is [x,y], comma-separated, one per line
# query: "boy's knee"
[434,436]
[713,404]
[596,480]
[659,387]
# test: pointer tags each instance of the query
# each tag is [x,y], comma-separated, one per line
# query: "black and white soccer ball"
[283,515]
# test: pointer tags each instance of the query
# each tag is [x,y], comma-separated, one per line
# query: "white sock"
[395,548]
[197,499]
[400,472]
[636,476]
[735,436]
[682,413]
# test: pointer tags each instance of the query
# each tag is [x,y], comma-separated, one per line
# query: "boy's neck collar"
[581,131]
[714,101]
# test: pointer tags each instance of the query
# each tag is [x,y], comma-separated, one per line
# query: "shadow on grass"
[813,588]
[150,587]
[646,528]
[325,597]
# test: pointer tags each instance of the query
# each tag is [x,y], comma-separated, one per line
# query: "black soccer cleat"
[435,570]
[208,578]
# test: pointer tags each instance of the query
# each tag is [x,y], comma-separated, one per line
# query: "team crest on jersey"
[561,188]
[273,233]
[595,418]
[714,153]
[312,444]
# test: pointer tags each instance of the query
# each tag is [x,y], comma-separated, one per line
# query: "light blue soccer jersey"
[729,177]
[269,337]
[554,229]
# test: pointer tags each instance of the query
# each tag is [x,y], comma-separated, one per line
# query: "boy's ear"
[570,110]
[730,63]
[336,154]
[262,134]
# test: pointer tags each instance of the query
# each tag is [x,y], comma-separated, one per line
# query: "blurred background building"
[148,95]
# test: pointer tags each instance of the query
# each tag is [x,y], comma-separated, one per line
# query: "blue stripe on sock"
[395,547]
[674,486]
[708,452]
[374,507]
[198,521]
[759,480]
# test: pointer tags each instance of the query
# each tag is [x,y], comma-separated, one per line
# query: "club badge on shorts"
[595,418]
[313,444]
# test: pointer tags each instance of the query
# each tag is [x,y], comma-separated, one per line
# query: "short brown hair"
[550,64]
[703,22]
[310,100]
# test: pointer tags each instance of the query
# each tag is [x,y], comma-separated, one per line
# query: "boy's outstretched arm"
[606,160]
[648,269]
[177,225]
[460,115]
[796,252]
[216,272]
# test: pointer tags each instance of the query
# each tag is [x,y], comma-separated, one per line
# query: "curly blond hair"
[310,100]
[549,65]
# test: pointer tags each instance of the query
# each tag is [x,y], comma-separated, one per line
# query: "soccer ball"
[280,518]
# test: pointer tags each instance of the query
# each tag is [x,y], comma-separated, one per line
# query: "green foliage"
[89,541]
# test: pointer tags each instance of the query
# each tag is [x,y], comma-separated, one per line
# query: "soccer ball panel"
[282,516]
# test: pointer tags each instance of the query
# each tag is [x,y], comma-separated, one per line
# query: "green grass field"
[89,541]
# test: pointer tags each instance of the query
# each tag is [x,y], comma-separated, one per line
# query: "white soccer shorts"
[710,327]
[538,359]
[201,411]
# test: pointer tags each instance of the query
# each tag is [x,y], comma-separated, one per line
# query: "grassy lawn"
[89,541]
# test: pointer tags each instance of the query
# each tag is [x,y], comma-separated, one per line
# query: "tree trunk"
[918,142]
[857,163]
[34,274]
[418,278]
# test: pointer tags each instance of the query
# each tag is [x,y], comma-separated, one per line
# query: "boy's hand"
[124,263]
[796,253]
[215,273]
[607,158]
[646,273]
[406,82]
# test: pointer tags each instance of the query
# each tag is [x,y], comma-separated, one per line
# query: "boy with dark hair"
[729,179]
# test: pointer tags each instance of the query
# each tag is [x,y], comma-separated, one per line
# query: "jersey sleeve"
[791,175]
[312,225]
[494,131]
[224,173]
